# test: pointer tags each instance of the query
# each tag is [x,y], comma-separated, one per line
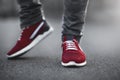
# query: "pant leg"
[74,17]
[30,12]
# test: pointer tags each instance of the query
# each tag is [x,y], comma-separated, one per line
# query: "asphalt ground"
[100,43]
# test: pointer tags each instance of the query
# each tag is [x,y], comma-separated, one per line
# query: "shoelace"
[22,33]
[20,36]
[70,45]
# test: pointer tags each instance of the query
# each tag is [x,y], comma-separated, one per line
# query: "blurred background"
[101,43]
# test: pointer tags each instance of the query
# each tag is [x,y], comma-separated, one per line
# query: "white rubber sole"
[32,44]
[73,63]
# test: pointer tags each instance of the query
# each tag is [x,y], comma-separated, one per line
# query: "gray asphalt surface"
[100,43]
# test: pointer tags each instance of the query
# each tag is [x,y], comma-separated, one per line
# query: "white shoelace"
[70,45]
[22,33]
[20,36]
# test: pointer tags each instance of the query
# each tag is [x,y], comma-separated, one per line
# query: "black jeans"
[73,19]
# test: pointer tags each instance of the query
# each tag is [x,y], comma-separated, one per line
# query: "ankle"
[70,38]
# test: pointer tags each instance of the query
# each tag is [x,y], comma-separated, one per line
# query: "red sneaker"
[72,54]
[29,38]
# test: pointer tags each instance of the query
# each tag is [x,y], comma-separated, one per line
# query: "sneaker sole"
[73,63]
[32,44]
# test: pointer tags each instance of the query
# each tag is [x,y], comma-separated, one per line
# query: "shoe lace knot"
[70,45]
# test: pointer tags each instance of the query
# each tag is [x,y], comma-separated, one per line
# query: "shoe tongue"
[69,42]
[69,38]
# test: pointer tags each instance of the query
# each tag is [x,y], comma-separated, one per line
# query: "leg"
[30,12]
[74,17]
[34,28]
